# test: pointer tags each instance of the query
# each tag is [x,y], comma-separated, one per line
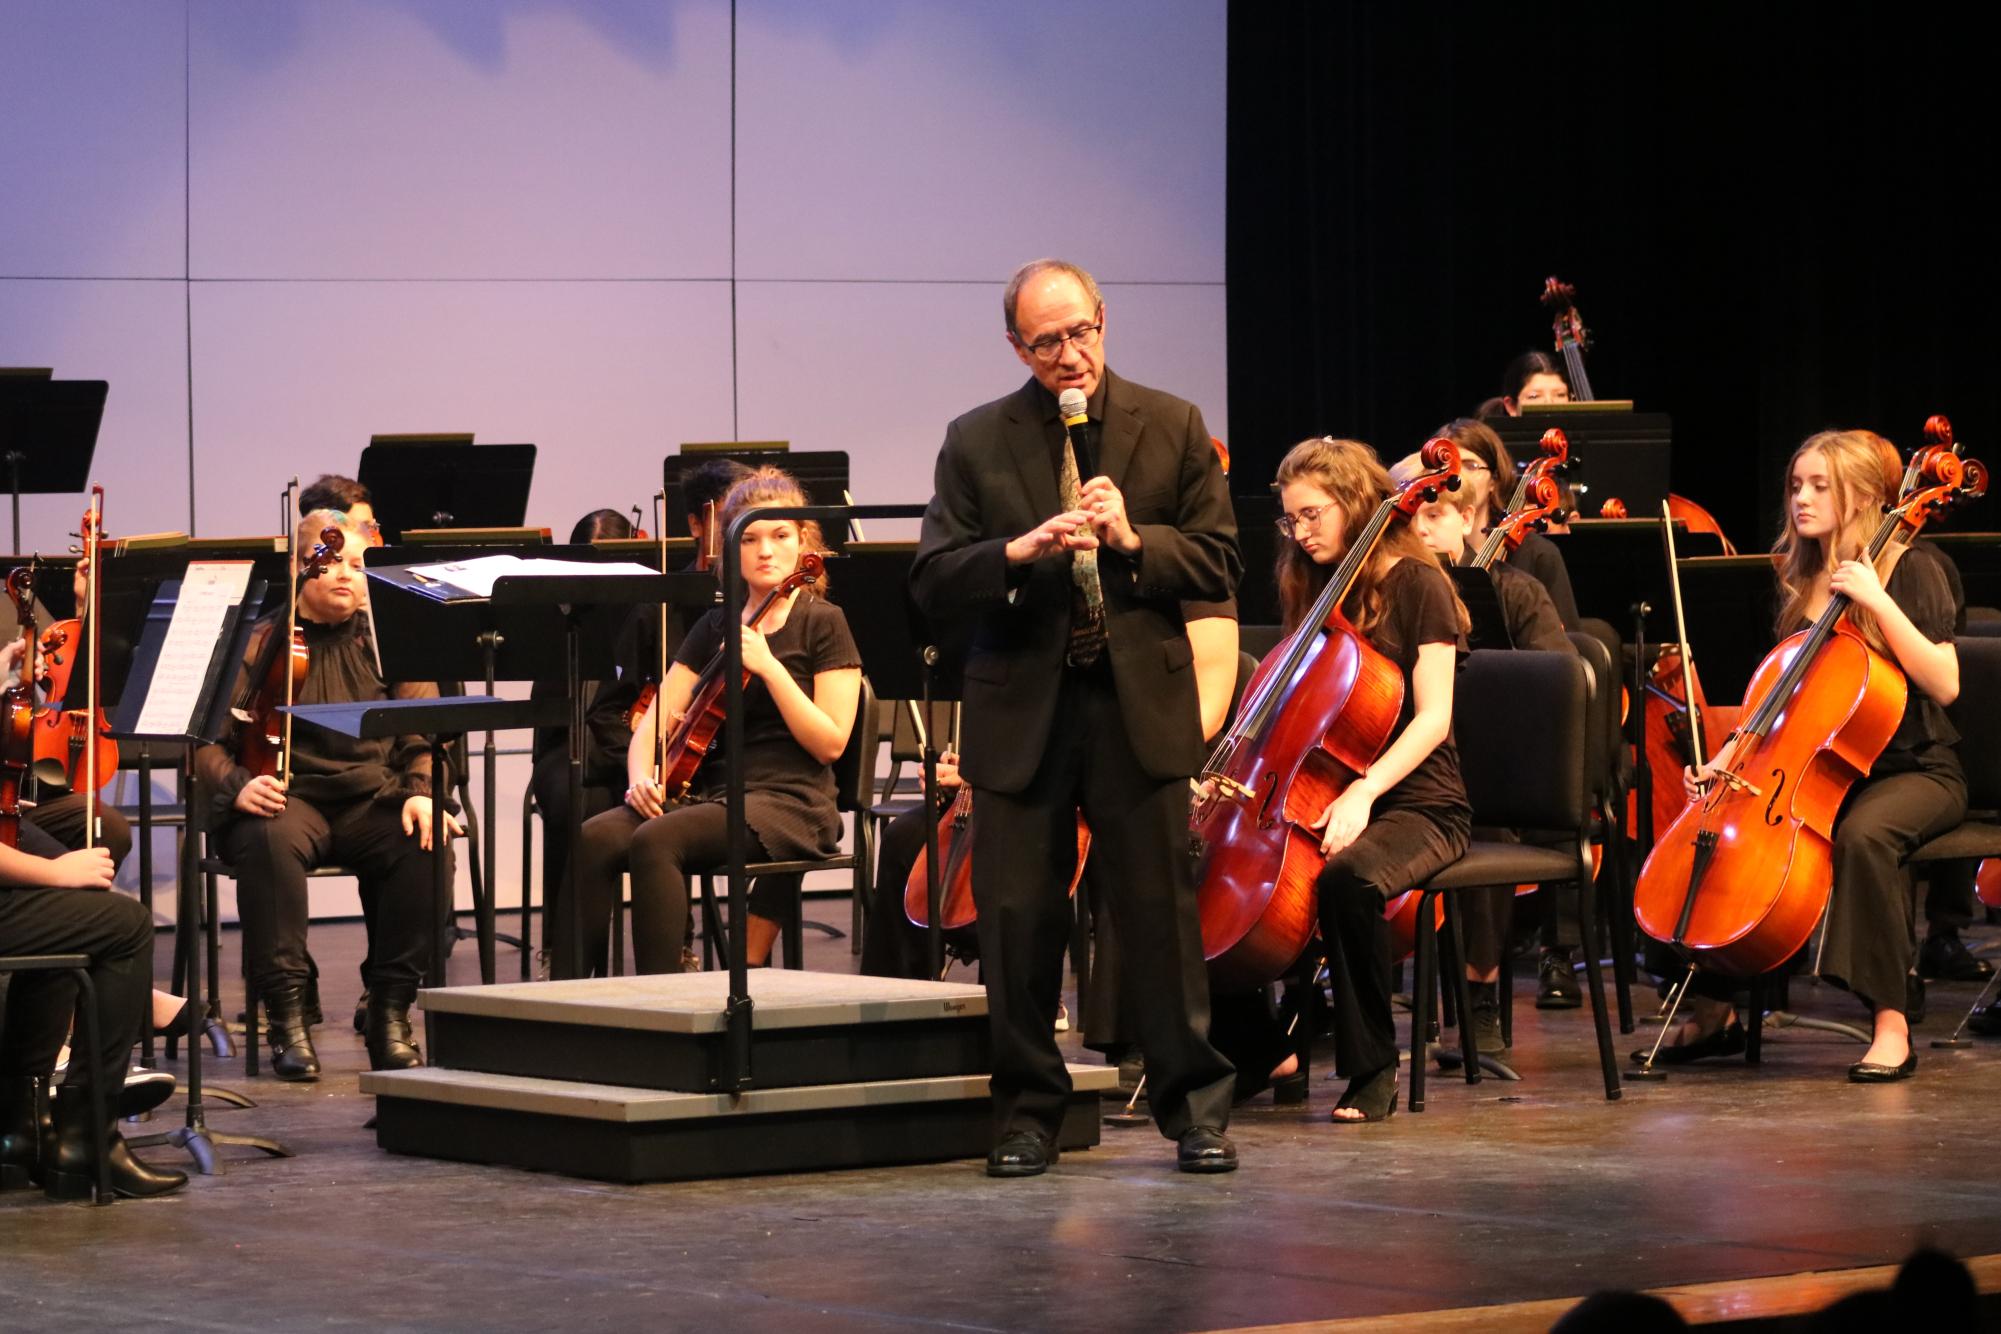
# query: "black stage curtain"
[1771,215]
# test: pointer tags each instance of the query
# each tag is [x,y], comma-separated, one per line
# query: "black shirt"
[788,795]
[1418,609]
[1539,556]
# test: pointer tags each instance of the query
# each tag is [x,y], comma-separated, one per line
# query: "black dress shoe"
[1944,958]
[21,1110]
[361,1012]
[1205,1149]
[142,1091]
[292,1054]
[1021,1153]
[1726,1041]
[1986,1021]
[1556,982]
[391,1045]
[1868,1072]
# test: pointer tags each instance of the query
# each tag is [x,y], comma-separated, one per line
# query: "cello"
[1741,878]
[1536,500]
[1317,711]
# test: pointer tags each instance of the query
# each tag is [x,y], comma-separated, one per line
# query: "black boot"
[68,1169]
[292,1054]
[391,1045]
[22,1112]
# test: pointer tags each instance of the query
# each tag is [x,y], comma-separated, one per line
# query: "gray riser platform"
[667,1033]
[636,1135]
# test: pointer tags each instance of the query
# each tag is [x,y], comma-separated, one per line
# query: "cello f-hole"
[1771,806]
[1270,785]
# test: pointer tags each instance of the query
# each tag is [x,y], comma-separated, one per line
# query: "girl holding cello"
[799,710]
[1405,817]
[1838,483]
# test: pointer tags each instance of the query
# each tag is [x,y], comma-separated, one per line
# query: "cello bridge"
[1223,785]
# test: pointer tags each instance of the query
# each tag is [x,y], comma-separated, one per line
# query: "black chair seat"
[1967,842]
[1506,864]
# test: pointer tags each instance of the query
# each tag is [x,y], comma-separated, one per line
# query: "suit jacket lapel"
[1030,448]
[1121,431]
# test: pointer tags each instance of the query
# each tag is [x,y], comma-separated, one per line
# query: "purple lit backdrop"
[527,218]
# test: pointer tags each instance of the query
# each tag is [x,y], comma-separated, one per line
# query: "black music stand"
[1614,451]
[446,483]
[48,432]
[907,659]
[1483,605]
[1731,606]
[127,680]
[532,618]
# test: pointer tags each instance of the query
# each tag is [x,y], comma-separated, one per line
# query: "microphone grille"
[1071,403]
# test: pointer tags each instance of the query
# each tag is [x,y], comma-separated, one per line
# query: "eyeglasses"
[1047,350]
[1310,516]
[1467,463]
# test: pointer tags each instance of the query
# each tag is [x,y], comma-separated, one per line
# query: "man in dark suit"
[1079,693]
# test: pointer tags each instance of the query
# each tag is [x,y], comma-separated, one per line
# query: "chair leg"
[1507,997]
[1455,967]
[1754,1039]
[1611,879]
[528,886]
[1587,917]
[1423,988]
[618,930]
[100,1116]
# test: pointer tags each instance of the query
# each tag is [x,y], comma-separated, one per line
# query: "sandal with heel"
[1374,1096]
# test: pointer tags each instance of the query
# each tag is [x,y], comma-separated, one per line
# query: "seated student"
[343,495]
[799,712]
[47,907]
[364,804]
[1531,380]
[1446,526]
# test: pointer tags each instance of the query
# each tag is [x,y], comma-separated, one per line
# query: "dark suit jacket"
[995,482]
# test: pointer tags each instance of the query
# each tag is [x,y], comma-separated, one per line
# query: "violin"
[1315,714]
[691,740]
[955,878]
[1572,341]
[1741,877]
[74,750]
[708,555]
[17,710]
[265,747]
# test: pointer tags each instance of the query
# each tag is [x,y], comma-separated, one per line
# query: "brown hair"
[1350,472]
[1863,473]
[774,486]
[1478,439]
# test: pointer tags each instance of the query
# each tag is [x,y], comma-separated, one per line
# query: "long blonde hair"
[1350,473]
[1862,474]
[774,486]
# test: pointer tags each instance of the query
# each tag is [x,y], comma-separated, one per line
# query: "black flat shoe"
[1205,1149]
[1556,982]
[142,1091]
[1374,1096]
[1868,1072]
[1021,1153]
[1726,1041]
[177,1027]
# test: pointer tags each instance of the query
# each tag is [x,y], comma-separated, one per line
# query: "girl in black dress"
[798,712]
[1837,485]
[1405,817]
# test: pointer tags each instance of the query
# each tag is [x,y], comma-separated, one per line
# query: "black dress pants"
[272,856]
[1398,849]
[1023,855]
[117,934]
[662,854]
[551,784]
[62,818]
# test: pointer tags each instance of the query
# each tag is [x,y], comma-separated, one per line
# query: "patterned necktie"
[1087,596]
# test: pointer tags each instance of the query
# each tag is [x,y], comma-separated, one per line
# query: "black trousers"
[1398,849]
[1023,855]
[114,931]
[662,855]
[272,856]
[62,818]
[551,784]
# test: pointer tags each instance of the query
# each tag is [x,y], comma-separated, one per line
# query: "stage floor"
[1497,1194]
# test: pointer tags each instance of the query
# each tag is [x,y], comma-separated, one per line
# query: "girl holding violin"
[1836,492]
[799,710]
[1406,816]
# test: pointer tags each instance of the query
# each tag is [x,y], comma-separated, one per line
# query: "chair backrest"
[854,770]
[1605,739]
[1521,719]
[1978,719]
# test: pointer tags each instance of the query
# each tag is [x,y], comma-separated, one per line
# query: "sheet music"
[477,576]
[208,591]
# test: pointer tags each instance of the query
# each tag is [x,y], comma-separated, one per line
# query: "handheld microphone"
[1076,418]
